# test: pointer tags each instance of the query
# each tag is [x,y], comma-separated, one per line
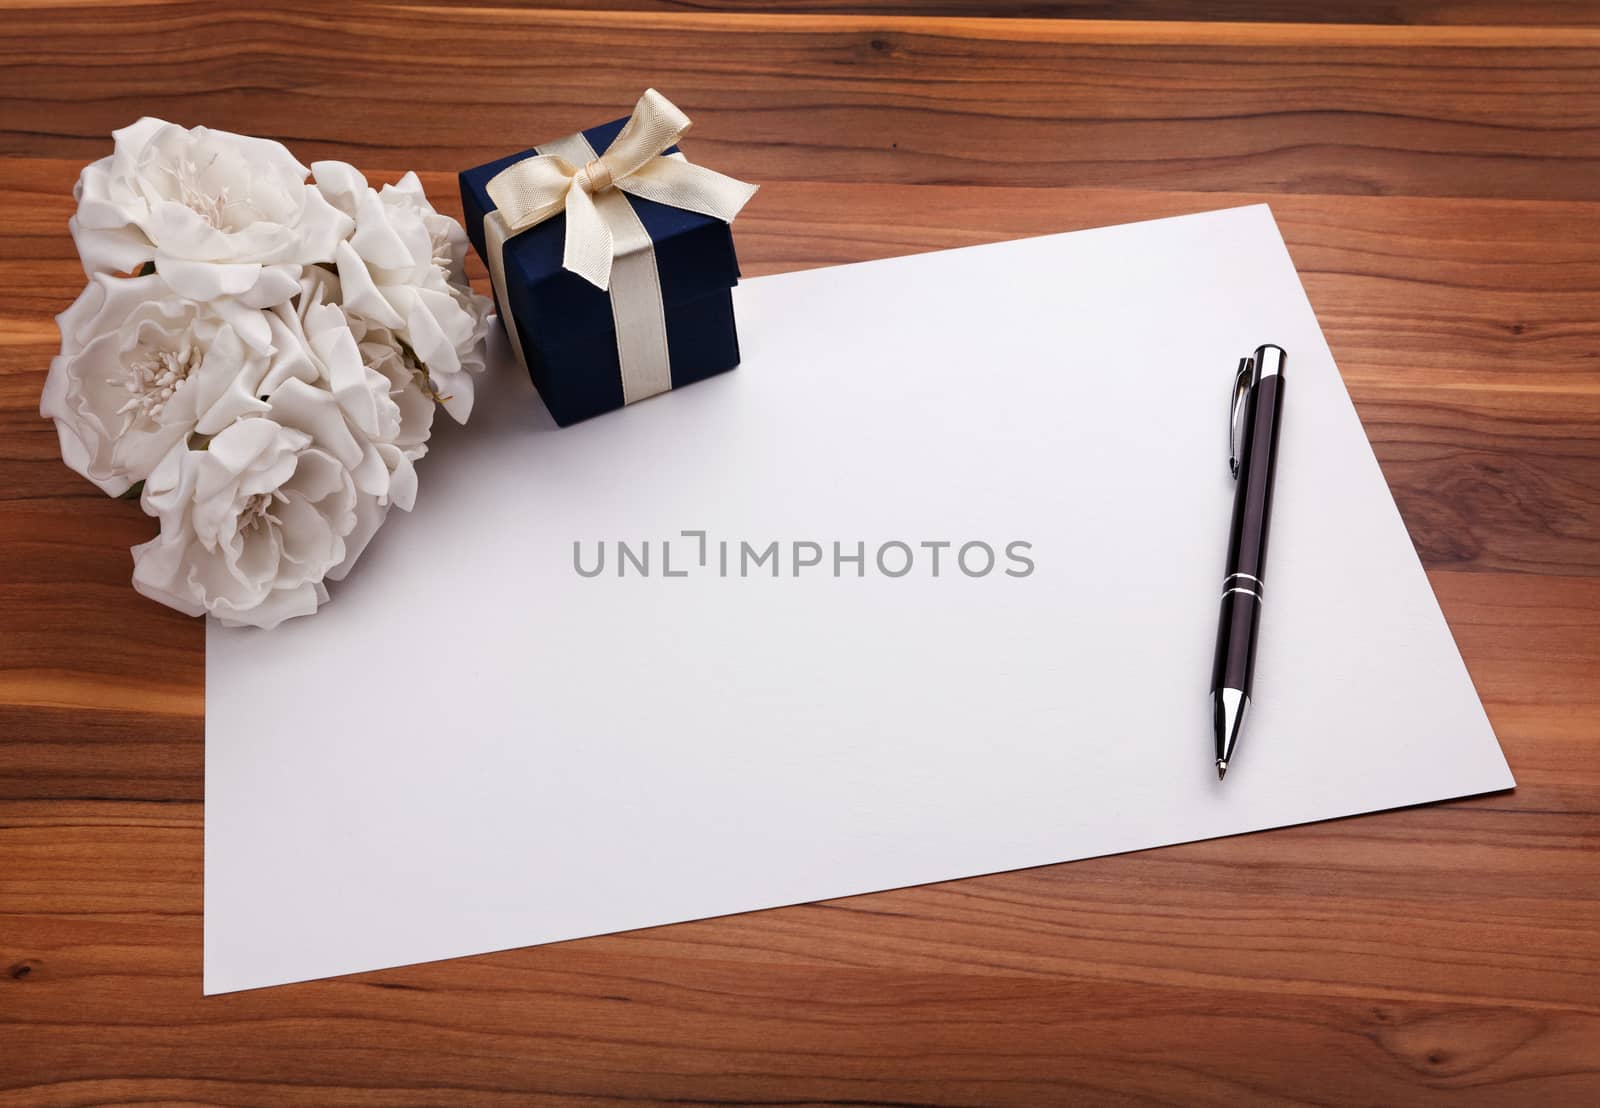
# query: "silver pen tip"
[1222,769]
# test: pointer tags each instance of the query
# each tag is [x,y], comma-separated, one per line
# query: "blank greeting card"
[927,588]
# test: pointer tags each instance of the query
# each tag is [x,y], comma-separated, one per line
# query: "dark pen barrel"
[1244,573]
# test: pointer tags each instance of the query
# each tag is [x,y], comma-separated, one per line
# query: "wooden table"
[1440,190]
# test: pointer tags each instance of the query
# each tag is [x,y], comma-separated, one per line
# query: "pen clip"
[1242,380]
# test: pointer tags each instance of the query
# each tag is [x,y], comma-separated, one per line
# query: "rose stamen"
[258,510]
[153,377]
[209,206]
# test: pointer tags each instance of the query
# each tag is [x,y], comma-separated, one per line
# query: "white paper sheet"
[474,748]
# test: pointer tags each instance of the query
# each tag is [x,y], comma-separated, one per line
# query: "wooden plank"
[1414,12]
[1496,13]
[622,1025]
[1456,111]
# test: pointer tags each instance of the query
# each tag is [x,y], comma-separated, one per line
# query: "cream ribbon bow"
[535,189]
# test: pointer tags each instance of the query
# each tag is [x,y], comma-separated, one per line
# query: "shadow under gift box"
[568,337]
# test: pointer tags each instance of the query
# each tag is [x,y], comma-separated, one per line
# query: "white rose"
[379,391]
[393,371]
[376,390]
[140,370]
[251,525]
[382,353]
[407,420]
[404,270]
[225,218]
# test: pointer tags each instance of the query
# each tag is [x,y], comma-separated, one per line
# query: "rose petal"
[402,476]
[274,608]
[205,281]
[291,356]
[315,412]
[137,135]
[322,227]
[376,239]
[434,348]
[456,395]
[309,543]
[276,284]
[340,183]
[79,457]
[369,516]
[260,555]
[118,249]
[319,476]
[361,295]
[223,389]
[158,573]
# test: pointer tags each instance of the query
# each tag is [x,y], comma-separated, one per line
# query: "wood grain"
[1422,12]
[1438,189]
[1449,111]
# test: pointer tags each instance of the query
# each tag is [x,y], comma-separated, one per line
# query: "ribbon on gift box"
[606,244]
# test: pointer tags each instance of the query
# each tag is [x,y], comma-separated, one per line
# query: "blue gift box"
[569,341]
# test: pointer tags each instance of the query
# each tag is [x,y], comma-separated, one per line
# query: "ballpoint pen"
[1255,412]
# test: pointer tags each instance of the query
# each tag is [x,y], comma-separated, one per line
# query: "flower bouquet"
[257,359]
